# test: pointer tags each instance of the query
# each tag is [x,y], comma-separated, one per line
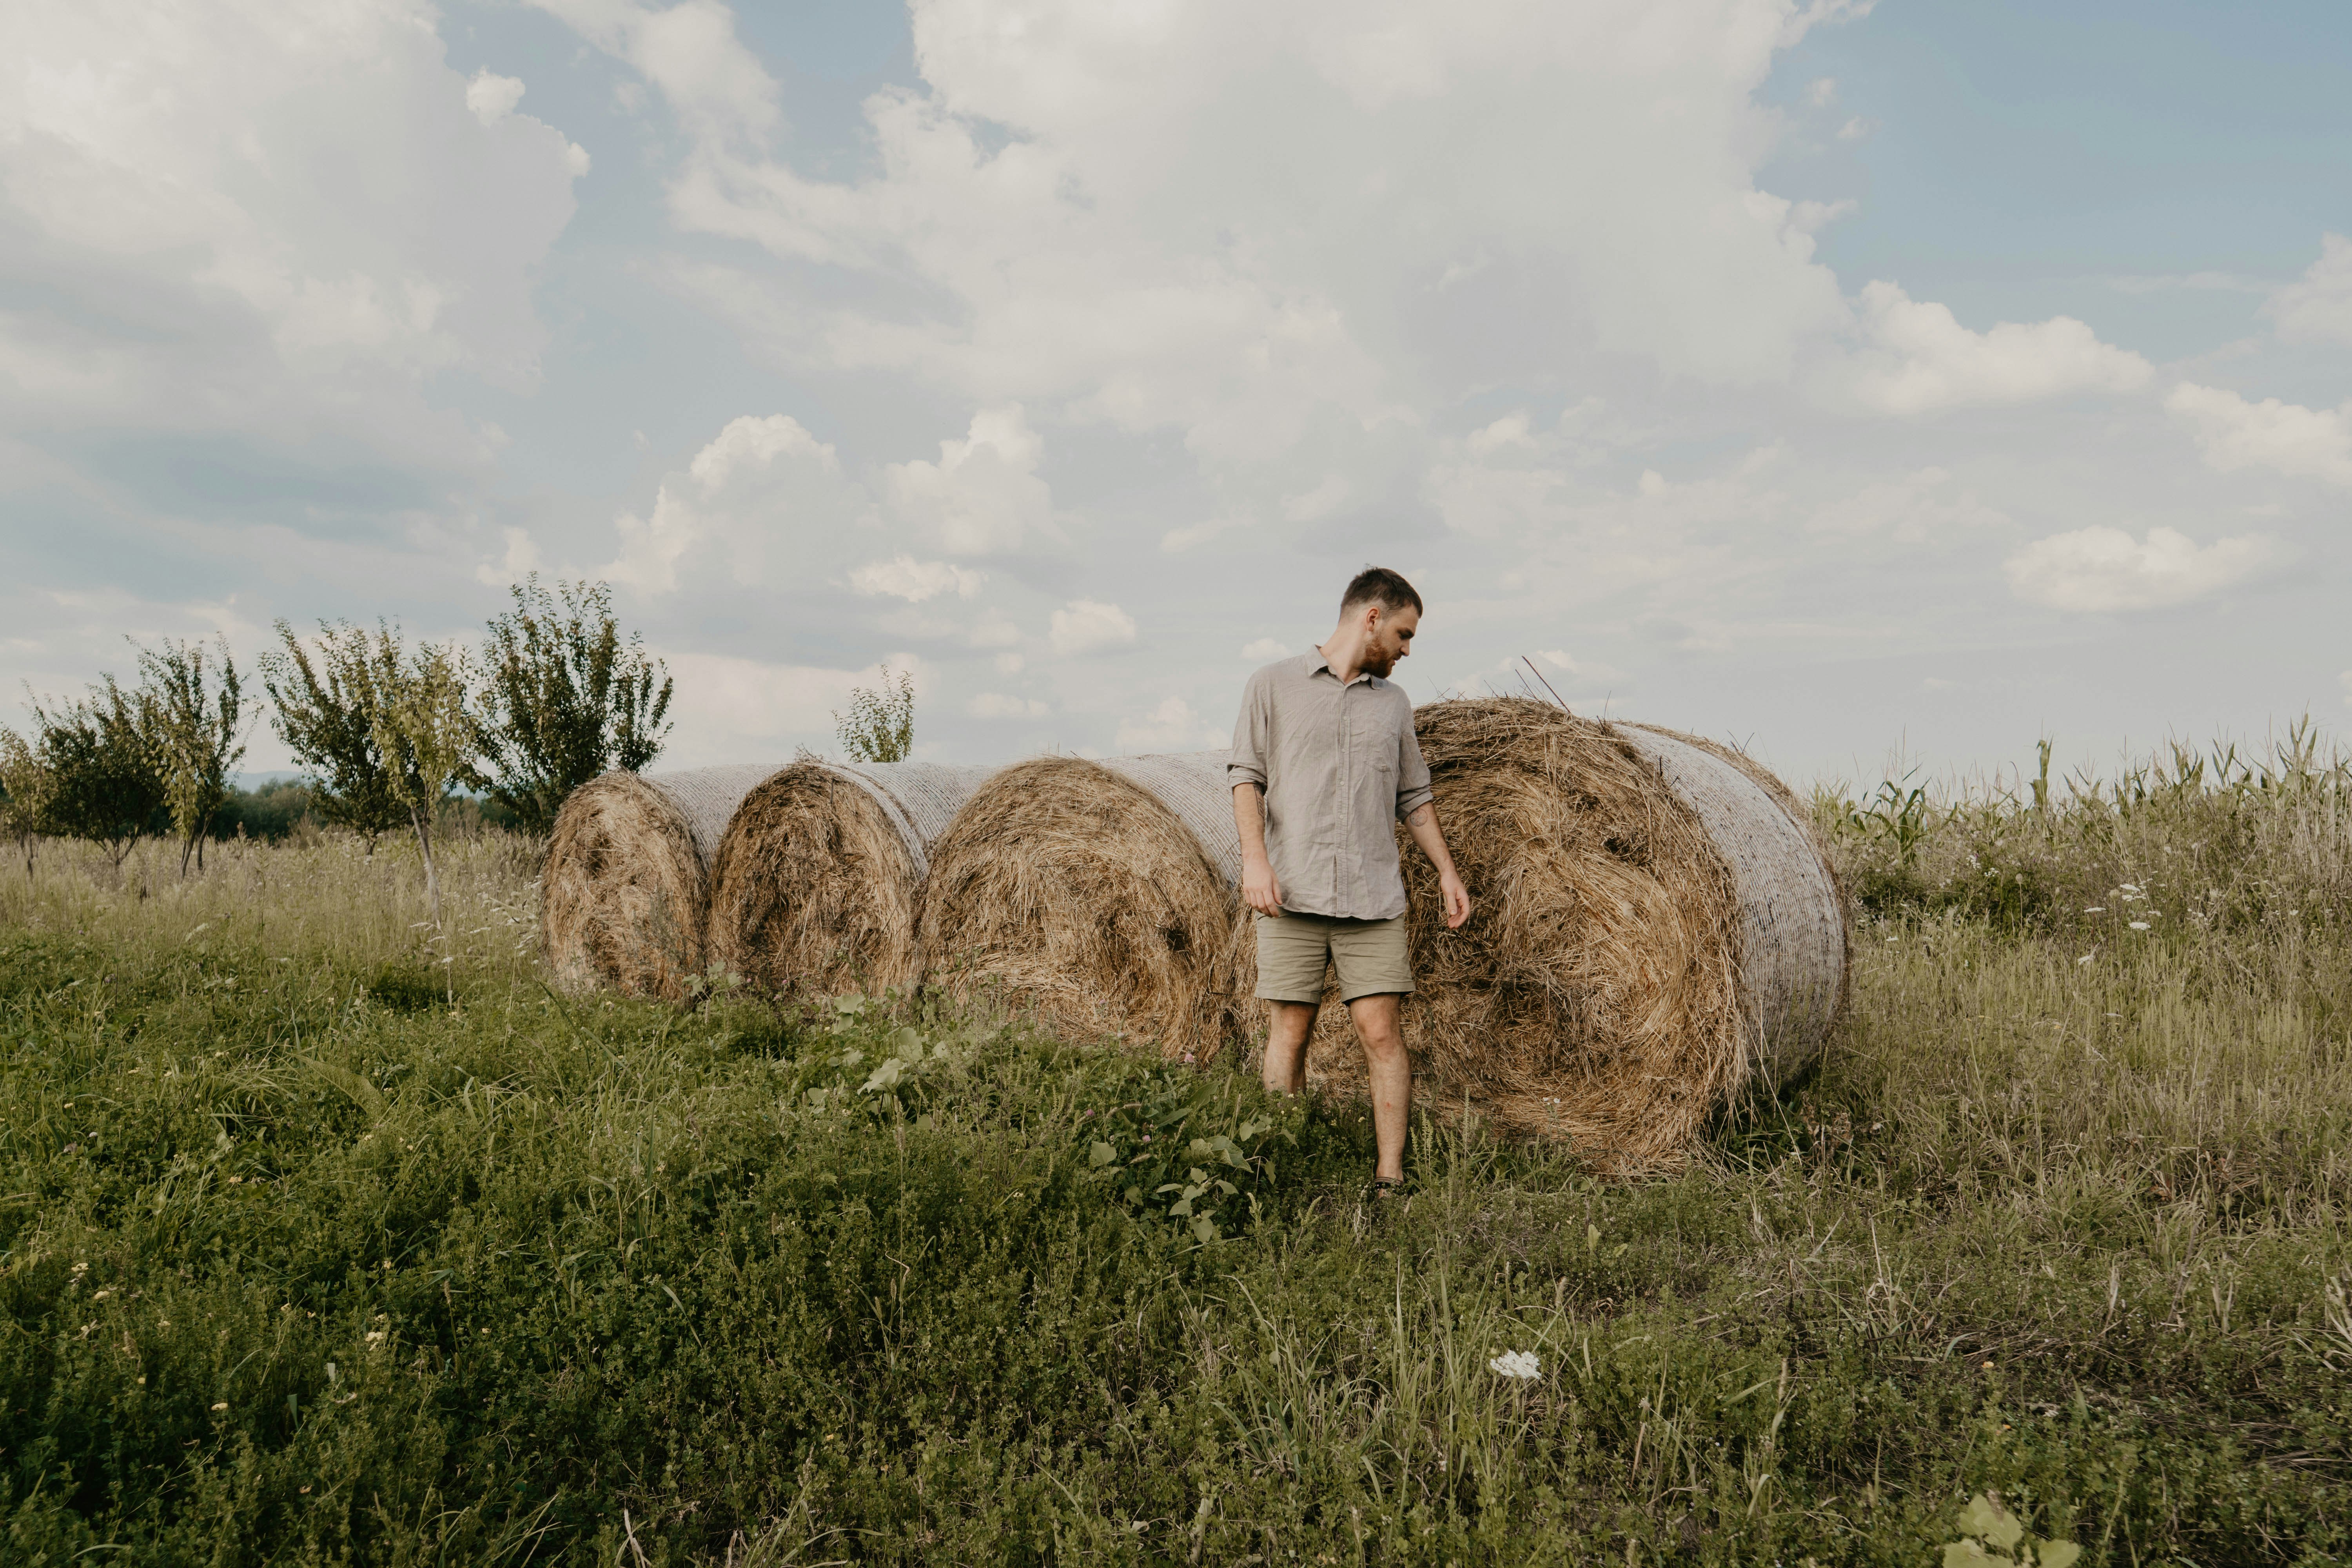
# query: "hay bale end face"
[816,882]
[1082,892]
[625,894]
[1610,987]
[1796,949]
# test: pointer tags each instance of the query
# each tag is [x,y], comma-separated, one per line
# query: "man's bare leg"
[1377,1026]
[1285,1047]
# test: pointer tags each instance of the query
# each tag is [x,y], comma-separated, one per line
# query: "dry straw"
[1081,892]
[626,890]
[1653,927]
[815,884]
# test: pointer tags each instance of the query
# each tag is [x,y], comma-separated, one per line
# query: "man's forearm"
[1249,816]
[1260,890]
[1422,821]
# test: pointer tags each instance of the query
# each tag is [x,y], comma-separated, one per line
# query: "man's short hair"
[1379,585]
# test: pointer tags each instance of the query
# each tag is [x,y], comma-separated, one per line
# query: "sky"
[1852,383]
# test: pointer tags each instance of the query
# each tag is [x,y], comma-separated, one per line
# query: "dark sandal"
[1387,1189]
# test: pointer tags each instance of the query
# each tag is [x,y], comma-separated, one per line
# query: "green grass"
[299,1263]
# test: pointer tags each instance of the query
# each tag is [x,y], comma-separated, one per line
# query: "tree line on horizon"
[384,732]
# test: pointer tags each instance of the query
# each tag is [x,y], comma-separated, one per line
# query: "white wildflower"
[2140,925]
[1517,1364]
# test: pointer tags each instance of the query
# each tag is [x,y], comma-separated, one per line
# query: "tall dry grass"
[316,896]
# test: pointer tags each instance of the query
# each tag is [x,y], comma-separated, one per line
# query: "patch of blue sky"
[2147,165]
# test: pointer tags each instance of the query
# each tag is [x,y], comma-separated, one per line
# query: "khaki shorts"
[1372,957]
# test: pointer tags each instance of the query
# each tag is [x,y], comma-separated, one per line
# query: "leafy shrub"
[563,699]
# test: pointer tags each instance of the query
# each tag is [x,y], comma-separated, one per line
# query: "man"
[1324,760]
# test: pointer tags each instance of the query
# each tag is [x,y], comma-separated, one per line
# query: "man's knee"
[1290,1020]
[1377,1026]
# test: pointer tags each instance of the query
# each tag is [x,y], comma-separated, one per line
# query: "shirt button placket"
[1339,840]
[1348,798]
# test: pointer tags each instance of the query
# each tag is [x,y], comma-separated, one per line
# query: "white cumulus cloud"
[521,560]
[983,496]
[1264,648]
[492,97]
[229,234]
[715,86]
[904,577]
[2232,433]
[1172,726]
[760,481]
[2105,569]
[1928,360]
[1087,626]
[1136,252]
[2318,305]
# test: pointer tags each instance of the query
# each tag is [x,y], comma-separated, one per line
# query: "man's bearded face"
[1392,640]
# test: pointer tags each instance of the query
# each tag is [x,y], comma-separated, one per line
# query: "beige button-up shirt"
[1339,765]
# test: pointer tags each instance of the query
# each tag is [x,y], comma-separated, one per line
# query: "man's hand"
[1456,897]
[1260,891]
[1423,824]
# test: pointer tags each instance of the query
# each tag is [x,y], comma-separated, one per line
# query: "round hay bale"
[816,881]
[626,890]
[1651,928]
[1082,892]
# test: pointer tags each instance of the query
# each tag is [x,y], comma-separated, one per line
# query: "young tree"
[424,732]
[191,722]
[564,700]
[880,725]
[326,715]
[24,794]
[99,760]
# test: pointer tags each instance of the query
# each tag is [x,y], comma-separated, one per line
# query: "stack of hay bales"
[626,886]
[1653,929]
[815,884]
[1098,896]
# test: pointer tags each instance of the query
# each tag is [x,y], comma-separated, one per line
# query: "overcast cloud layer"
[1074,360]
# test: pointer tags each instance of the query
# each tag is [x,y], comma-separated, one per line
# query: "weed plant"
[320,1240]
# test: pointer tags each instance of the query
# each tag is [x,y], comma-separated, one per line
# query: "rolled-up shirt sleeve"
[1412,774]
[1247,763]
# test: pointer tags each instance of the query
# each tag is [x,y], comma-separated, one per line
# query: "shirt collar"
[1318,665]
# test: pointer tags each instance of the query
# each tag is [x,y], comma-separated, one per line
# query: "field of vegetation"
[327,1237]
